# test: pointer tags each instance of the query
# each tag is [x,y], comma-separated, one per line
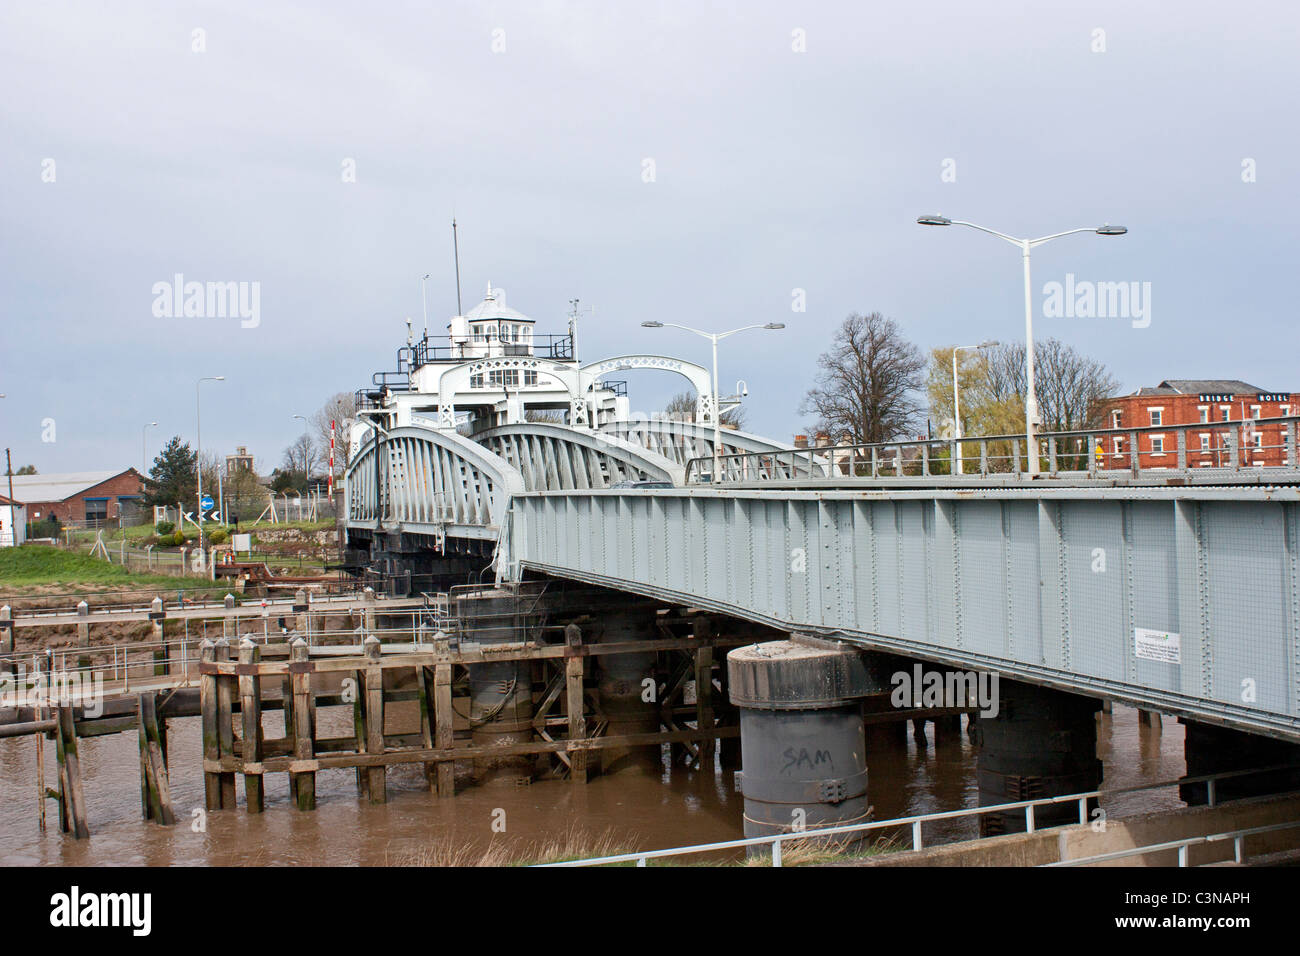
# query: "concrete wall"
[1075,842]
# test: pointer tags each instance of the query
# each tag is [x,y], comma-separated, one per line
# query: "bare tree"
[1071,388]
[866,390]
[342,410]
[301,457]
[681,407]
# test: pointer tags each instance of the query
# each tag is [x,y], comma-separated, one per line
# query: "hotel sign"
[1273,397]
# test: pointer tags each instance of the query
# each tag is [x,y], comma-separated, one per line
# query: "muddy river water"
[620,812]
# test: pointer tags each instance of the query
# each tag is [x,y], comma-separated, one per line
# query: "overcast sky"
[774,170]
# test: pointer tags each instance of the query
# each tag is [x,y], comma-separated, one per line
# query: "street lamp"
[198,454]
[1031,398]
[956,399]
[717,418]
[143,454]
[424,301]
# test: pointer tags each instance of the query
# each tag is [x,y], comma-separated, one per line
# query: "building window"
[478,333]
[1286,411]
[530,376]
[1254,411]
[1205,441]
[1156,415]
[1205,413]
[504,378]
[1115,419]
[1157,444]
[1117,444]
[476,381]
[1225,411]
[96,509]
[1259,441]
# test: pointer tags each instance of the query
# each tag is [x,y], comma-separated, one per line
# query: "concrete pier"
[1041,743]
[802,741]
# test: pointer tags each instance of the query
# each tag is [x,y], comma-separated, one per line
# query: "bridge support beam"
[803,746]
[1210,749]
[628,693]
[1041,743]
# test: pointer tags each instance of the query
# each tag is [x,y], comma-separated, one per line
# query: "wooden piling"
[375,719]
[208,711]
[443,717]
[304,742]
[424,687]
[704,706]
[83,633]
[155,790]
[359,732]
[250,706]
[574,703]
[72,800]
[226,688]
[156,617]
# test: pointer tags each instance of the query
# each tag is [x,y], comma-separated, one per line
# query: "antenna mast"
[455,245]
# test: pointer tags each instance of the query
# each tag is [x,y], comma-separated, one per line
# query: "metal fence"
[1260,450]
[774,842]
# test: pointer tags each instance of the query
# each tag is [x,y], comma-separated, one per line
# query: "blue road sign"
[206,502]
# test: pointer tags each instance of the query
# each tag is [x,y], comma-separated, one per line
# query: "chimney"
[800,441]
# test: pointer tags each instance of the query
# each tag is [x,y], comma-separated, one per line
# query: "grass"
[36,565]
[139,531]
[575,843]
[572,844]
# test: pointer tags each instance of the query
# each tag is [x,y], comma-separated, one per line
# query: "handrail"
[917,457]
[916,821]
[1237,836]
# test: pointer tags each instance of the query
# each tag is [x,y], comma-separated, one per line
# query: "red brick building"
[84,496]
[1199,402]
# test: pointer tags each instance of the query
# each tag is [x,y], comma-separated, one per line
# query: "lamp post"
[198,454]
[714,337]
[956,398]
[144,456]
[424,302]
[1031,398]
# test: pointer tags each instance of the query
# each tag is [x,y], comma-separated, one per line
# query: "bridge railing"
[852,832]
[1253,449]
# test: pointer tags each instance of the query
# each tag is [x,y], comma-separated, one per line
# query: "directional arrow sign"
[206,503]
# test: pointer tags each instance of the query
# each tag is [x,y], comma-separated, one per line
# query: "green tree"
[174,476]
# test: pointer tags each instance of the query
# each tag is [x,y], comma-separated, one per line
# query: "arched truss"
[705,401]
[427,481]
[681,441]
[560,458]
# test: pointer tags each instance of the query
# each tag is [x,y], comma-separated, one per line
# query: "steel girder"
[1185,601]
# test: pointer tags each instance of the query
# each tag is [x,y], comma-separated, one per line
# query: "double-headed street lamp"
[956,396]
[1031,398]
[717,411]
[198,454]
